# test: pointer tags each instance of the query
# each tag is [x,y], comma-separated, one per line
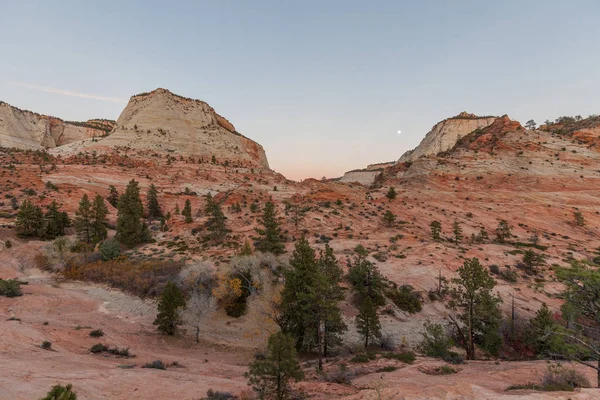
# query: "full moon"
[399,132]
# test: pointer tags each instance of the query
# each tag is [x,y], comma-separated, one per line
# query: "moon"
[399,132]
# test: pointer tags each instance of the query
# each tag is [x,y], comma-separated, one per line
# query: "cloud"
[66,92]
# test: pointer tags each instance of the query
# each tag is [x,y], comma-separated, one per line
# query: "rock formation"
[31,131]
[444,135]
[163,121]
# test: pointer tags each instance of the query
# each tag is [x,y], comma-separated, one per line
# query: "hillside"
[534,179]
[27,130]
[165,122]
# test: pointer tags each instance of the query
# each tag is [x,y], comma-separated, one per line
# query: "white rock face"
[163,121]
[445,134]
[31,131]
[364,177]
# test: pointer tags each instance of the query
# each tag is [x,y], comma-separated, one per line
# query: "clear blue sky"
[324,86]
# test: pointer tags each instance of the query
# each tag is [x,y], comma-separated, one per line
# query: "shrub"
[494,269]
[216,395]
[96,333]
[7,244]
[389,368]
[46,345]
[109,250]
[98,348]
[407,357]
[363,357]
[343,375]
[406,298]
[156,364]
[141,278]
[10,288]
[559,378]
[436,342]
[60,392]
[453,358]
[387,342]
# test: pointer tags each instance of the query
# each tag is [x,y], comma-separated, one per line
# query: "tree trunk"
[197,334]
[320,335]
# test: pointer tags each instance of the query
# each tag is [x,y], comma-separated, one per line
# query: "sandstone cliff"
[31,131]
[444,135]
[163,121]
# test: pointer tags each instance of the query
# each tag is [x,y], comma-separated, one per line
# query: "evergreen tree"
[332,294]
[436,230]
[113,196]
[109,249]
[171,301]
[477,309]
[83,220]
[154,210]
[539,328]
[365,278]
[579,220]
[458,232]
[389,218]
[299,294]
[30,219]
[130,212]
[187,211]
[216,220]
[246,249]
[55,221]
[391,194]
[98,219]
[176,212]
[503,231]
[59,392]
[271,377]
[269,240]
[367,321]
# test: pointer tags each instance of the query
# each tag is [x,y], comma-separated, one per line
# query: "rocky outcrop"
[163,121]
[31,131]
[444,135]
[364,177]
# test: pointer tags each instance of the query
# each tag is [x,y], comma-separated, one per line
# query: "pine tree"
[299,295]
[391,194]
[130,212]
[59,392]
[367,321]
[187,211]
[171,301]
[477,309]
[271,376]
[246,249]
[216,221]
[436,230]
[113,196]
[332,294]
[503,231]
[539,328]
[579,220]
[365,277]
[55,221]
[83,220]
[154,210]
[30,219]
[99,221]
[269,240]
[177,212]
[458,232]
[389,218]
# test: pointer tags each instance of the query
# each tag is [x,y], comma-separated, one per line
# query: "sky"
[324,86]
